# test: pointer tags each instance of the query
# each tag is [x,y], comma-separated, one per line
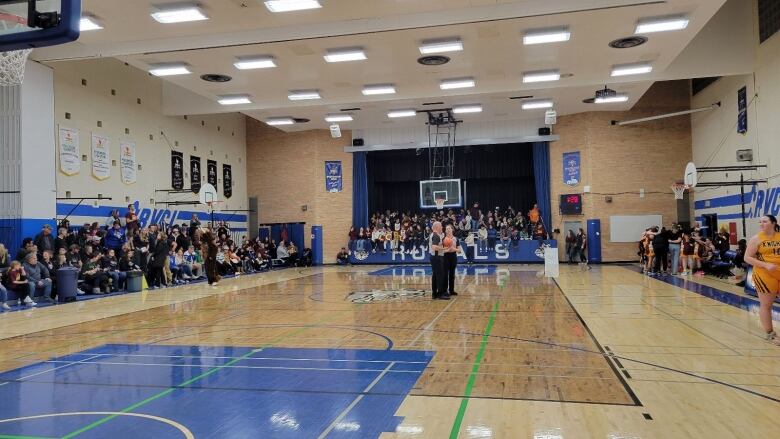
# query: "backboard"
[26,24]
[447,190]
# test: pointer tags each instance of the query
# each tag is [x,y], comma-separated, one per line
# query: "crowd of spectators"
[405,232]
[166,255]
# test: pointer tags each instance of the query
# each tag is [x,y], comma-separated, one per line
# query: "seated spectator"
[95,278]
[234,260]
[3,294]
[115,238]
[46,261]
[127,262]
[482,236]
[177,275]
[224,267]
[110,265]
[184,266]
[492,234]
[74,256]
[38,276]
[61,241]
[193,259]
[292,251]
[342,258]
[27,247]
[16,281]
[4,262]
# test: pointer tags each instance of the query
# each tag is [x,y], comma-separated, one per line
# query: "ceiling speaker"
[357,142]
[544,131]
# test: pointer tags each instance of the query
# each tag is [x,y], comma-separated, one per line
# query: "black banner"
[211,177]
[195,173]
[177,170]
[227,180]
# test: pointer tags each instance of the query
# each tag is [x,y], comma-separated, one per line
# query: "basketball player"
[436,249]
[763,253]
[450,258]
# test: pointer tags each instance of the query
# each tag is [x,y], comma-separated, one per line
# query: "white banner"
[70,157]
[127,162]
[101,157]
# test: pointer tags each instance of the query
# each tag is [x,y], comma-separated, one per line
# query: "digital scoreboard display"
[571,204]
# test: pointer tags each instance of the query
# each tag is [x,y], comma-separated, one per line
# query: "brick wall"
[287,170]
[649,156]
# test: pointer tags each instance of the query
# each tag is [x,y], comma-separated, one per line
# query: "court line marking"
[69,363]
[258,358]
[355,402]
[192,380]
[472,377]
[184,430]
[431,323]
[247,367]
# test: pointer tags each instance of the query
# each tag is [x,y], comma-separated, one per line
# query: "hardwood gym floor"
[602,353]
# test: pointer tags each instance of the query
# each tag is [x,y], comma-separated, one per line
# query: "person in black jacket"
[159,255]
[209,251]
[661,249]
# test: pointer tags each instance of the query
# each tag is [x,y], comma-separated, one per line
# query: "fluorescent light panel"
[631,69]
[169,69]
[401,113]
[661,24]
[343,55]
[441,46]
[612,99]
[379,89]
[332,118]
[88,23]
[276,121]
[254,62]
[291,5]
[234,99]
[450,84]
[303,95]
[178,13]
[543,36]
[541,76]
[533,105]
[462,109]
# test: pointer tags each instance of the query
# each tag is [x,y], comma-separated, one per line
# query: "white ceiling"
[390,32]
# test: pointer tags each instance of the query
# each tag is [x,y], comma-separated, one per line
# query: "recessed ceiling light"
[449,84]
[631,69]
[533,105]
[254,62]
[178,13]
[169,69]
[303,95]
[234,99]
[342,55]
[550,35]
[291,5]
[612,99]
[472,108]
[541,76]
[379,89]
[401,113]
[441,46]
[276,121]
[661,24]
[88,23]
[338,118]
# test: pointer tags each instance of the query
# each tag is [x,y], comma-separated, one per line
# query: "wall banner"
[571,168]
[742,119]
[195,173]
[70,157]
[211,175]
[333,176]
[101,157]
[128,165]
[177,170]
[227,180]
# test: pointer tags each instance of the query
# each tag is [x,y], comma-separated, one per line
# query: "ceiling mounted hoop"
[679,190]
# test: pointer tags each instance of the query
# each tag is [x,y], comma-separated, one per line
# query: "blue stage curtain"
[542,177]
[359,190]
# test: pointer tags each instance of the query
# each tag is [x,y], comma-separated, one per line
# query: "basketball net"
[12,63]
[679,190]
[439,203]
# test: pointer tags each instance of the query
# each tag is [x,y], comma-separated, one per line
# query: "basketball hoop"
[12,63]
[679,190]
[439,203]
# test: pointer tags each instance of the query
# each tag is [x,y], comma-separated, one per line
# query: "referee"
[436,249]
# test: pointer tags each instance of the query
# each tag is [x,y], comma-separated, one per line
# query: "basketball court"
[604,117]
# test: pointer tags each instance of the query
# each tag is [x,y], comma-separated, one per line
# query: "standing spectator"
[491,237]
[131,221]
[661,250]
[688,248]
[114,217]
[115,237]
[475,215]
[142,246]
[675,242]
[27,245]
[451,259]
[722,242]
[582,244]
[159,256]
[469,247]
[44,240]
[18,283]
[571,241]
[194,225]
[38,276]
[483,238]
[61,241]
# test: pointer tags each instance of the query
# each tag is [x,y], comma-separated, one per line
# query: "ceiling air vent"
[215,77]
[301,120]
[433,60]
[628,42]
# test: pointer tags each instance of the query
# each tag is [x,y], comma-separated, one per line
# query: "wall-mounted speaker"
[544,131]
[745,155]
[357,142]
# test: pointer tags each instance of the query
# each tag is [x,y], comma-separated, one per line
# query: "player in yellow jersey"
[763,253]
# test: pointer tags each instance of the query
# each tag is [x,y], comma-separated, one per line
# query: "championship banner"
[177,170]
[333,176]
[195,173]
[227,181]
[70,157]
[127,162]
[571,168]
[101,157]
[211,175]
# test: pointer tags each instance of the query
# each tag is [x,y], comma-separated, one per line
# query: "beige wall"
[649,156]
[287,171]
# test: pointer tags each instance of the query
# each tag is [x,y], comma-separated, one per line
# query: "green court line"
[192,380]
[473,376]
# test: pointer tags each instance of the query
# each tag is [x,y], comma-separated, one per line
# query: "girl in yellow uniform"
[763,253]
